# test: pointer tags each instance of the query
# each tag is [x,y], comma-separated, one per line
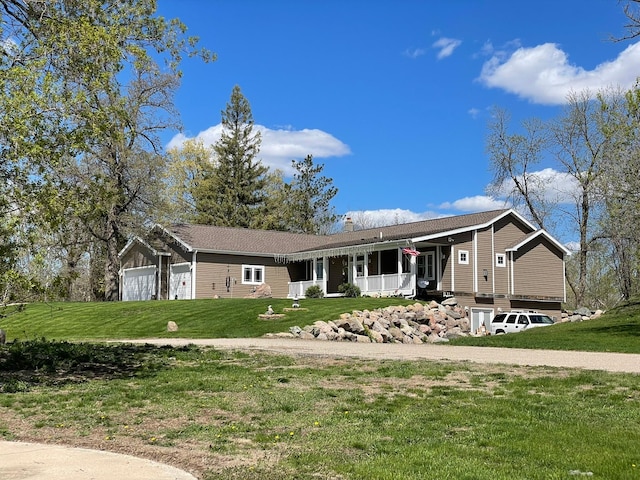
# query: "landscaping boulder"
[413,324]
[261,291]
[172,327]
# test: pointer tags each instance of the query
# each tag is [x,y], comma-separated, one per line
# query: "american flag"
[410,251]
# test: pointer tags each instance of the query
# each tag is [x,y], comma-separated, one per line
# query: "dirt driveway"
[611,362]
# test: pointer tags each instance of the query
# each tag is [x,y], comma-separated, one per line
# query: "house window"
[501,260]
[253,274]
[319,269]
[360,266]
[463,257]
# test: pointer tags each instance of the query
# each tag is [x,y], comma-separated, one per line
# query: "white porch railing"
[387,283]
[390,284]
[297,289]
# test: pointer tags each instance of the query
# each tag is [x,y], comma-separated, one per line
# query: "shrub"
[314,291]
[349,290]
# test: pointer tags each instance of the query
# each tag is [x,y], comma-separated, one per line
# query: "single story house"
[490,261]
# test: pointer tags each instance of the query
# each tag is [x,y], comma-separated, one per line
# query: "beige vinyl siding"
[138,256]
[506,232]
[463,273]
[213,269]
[538,270]
[485,260]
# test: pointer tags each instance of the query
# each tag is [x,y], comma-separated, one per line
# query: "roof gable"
[531,236]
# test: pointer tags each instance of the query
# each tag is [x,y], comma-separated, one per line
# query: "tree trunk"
[112,263]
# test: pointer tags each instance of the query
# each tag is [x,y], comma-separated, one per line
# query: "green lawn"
[256,416]
[220,318]
[616,331]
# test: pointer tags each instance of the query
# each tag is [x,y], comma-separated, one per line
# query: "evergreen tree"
[232,191]
[309,199]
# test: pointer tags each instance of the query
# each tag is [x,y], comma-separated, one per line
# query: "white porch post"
[413,264]
[325,273]
[354,268]
[365,271]
[193,274]
[438,267]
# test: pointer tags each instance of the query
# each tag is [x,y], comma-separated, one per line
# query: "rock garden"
[416,323]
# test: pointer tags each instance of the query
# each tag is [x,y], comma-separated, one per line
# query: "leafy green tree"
[620,190]
[185,172]
[309,199]
[85,98]
[276,212]
[232,191]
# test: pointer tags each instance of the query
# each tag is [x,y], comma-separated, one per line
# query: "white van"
[512,322]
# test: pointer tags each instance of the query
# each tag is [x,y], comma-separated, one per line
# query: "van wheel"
[499,332]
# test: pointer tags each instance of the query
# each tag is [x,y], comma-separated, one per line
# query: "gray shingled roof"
[411,230]
[241,240]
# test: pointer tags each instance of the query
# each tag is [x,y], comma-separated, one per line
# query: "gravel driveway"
[611,362]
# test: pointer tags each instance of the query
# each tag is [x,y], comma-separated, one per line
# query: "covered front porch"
[377,272]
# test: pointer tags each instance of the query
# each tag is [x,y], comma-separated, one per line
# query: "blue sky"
[393,97]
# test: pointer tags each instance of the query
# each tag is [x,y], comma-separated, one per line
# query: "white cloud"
[414,52]
[478,203]
[379,218]
[446,46]
[279,146]
[473,113]
[543,74]
[552,185]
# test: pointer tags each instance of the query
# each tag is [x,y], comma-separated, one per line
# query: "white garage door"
[138,283]
[180,282]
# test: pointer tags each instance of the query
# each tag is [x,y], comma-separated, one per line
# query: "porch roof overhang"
[343,250]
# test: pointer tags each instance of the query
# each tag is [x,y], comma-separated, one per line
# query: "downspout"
[453,268]
[475,261]
[493,260]
[512,289]
[193,274]
[564,278]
